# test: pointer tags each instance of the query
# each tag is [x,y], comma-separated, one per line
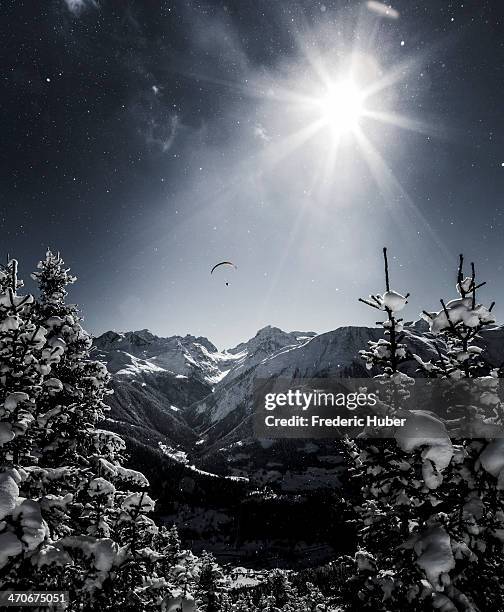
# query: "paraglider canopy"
[223,263]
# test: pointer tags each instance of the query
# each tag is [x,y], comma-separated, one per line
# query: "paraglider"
[224,263]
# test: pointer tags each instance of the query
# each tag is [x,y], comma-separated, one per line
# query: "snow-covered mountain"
[224,417]
[132,354]
[184,388]
[157,379]
[267,342]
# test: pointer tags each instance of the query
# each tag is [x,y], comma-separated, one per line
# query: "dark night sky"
[149,140]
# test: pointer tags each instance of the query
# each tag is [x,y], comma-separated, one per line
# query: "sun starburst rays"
[333,114]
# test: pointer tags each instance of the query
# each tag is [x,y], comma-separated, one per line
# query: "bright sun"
[342,106]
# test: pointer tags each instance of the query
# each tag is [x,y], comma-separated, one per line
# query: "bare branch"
[460,274]
[450,322]
[441,358]
[387,281]
[369,303]
[473,285]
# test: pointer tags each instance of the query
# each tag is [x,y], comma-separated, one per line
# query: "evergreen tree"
[208,584]
[473,506]
[22,375]
[459,323]
[170,543]
[397,478]
[431,521]
[279,587]
[73,517]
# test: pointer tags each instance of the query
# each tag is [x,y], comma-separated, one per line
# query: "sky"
[148,141]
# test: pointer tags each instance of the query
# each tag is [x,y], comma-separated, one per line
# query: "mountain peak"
[268,340]
[142,334]
[268,330]
[202,341]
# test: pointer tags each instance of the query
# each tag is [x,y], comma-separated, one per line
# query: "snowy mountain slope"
[129,354]
[268,341]
[224,418]
[149,407]
[155,379]
[334,353]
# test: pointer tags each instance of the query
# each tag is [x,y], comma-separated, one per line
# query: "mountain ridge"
[191,383]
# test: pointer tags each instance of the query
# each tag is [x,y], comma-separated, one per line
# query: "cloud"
[260,132]
[76,7]
[155,120]
[213,52]
[382,10]
[161,133]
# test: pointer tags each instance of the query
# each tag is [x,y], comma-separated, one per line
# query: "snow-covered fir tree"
[431,512]
[209,584]
[473,508]
[72,517]
[390,479]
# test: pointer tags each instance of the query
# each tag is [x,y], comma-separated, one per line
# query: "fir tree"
[22,375]
[443,507]
[73,517]
[473,508]
[394,480]
[280,587]
[208,584]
